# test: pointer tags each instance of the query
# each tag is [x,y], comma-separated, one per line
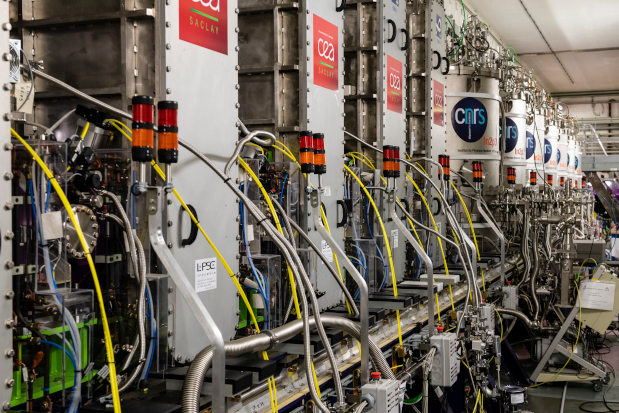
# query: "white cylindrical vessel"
[563,157]
[571,155]
[516,139]
[550,153]
[474,126]
[534,145]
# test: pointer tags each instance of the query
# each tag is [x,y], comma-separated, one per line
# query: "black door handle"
[438,64]
[392,23]
[406,39]
[406,207]
[438,201]
[446,71]
[341,7]
[344,213]
[193,234]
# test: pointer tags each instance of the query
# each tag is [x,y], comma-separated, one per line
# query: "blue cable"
[153,333]
[281,197]
[49,190]
[251,264]
[51,343]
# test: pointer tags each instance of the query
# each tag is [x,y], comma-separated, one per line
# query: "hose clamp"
[273,337]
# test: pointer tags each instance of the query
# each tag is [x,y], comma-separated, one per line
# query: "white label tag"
[326,251]
[21,92]
[250,233]
[597,295]
[395,235]
[206,274]
[517,398]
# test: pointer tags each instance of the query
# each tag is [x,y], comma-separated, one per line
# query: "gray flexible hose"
[140,271]
[261,342]
[303,279]
[318,252]
[524,248]
[298,271]
[534,275]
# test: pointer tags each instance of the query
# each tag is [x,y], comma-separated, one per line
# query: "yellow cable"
[85,130]
[106,330]
[337,265]
[272,389]
[257,146]
[501,321]
[279,228]
[583,263]
[468,216]
[477,400]
[267,198]
[382,226]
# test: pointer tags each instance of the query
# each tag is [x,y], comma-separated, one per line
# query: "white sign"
[326,251]
[395,234]
[206,274]
[597,295]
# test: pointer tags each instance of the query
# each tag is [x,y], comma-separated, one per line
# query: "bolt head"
[170,290]
[9,265]
[9,294]
[9,353]
[9,235]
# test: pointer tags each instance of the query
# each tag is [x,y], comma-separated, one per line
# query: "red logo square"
[394,84]
[204,23]
[325,54]
[438,103]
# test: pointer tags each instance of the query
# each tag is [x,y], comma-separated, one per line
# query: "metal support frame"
[363,287]
[155,229]
[498,232]
[560,347]
[426,259]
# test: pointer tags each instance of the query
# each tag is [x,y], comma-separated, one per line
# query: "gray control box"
[510,300]
[387,396]
[446,366]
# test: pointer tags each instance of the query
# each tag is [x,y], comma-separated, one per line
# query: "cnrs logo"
[530,145]
[394,81]
[512,136]
[469,119]
[548,152]
[213,4]
[326,50]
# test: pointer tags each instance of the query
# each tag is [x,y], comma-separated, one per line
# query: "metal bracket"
[155,228]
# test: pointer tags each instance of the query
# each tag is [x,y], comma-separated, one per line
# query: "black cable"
[606,402]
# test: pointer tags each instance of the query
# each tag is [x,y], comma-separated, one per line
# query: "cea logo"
[469,121]
[512,135]
[568,160]
[547,150]
[576,161]
[558,156]
[530,145]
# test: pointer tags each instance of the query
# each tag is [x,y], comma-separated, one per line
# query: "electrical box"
[387,396]
[510,300]
[446,366]
[487,316]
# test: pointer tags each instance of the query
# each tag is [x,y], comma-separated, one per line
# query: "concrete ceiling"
[583,34]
